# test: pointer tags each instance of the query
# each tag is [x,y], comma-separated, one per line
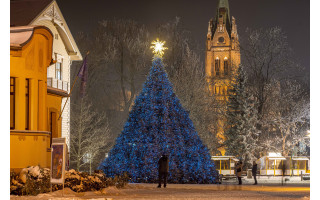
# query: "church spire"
[223,16]
[223,10]
[223,4]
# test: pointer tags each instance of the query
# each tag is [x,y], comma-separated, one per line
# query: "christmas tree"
[241,136]
[158,125]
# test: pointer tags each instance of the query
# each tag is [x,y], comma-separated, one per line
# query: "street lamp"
[308,135]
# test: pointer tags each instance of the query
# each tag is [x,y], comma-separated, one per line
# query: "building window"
[217,90]
[58,71]
[217,67]
[12,102]
[27,104]
[226,67]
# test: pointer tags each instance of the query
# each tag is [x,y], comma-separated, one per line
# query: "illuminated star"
[158,47]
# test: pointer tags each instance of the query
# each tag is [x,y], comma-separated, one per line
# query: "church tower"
[222,58]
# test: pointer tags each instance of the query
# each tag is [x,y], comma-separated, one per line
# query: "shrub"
[37,181]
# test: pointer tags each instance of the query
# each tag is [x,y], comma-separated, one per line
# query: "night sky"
[293,16]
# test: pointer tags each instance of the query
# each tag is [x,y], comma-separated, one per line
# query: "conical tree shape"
[241,136]
[159,125]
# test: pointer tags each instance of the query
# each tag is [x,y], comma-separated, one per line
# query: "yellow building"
[64,51]
[222,58]
[30,135]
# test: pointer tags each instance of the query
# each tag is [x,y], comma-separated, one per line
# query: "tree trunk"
[79,139]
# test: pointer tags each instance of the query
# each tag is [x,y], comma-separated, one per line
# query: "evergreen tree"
[241,134]
[158,125]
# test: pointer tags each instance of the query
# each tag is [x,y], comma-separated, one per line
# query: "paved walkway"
[185,192]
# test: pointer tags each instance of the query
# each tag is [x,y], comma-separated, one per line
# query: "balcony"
[58,84]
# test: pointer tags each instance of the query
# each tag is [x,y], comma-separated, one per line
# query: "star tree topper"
[158,47]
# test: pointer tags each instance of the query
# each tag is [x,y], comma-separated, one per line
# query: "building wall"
[60,54]
[31,147]
[226,49]
[54,105]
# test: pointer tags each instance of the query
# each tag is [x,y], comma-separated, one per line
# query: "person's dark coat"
[163,164]
[254,169]
[239,169]
[283,169]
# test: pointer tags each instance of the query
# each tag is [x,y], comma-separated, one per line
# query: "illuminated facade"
[30,137]
[35,116]
[64,51]
[222,58]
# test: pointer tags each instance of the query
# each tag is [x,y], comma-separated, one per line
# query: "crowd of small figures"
[36,180]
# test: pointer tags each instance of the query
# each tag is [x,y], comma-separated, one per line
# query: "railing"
[58,84]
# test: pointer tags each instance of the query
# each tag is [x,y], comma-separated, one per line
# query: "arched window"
[226,67]
[217,66]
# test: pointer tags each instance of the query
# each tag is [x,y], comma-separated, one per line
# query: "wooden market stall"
[273,165]
[299,165]
[224,164]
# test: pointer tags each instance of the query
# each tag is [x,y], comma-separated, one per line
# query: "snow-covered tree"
[267,57]
[291,120]
[241,135]
[281,95]
[89,135]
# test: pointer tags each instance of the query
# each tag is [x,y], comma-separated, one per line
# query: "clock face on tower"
[221,39]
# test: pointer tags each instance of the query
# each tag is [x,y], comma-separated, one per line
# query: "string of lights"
[158,125]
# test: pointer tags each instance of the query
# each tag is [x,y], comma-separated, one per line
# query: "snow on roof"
[27,12]
[276,158]
[224,158]
[300,158]
[21,35]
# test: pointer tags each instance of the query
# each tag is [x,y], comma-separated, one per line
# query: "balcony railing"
[58,84]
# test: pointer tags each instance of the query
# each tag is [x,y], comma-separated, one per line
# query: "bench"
[305,177]
[228,177]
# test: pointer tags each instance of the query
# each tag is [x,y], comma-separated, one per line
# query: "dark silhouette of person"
[254,172]
[283,171]
[239,171]
[163,164]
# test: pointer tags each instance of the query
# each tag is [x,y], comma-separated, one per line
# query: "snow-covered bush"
[30,181]
[15,186]
[82,181]
[35,180]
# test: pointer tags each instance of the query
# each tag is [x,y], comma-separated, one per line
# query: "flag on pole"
[83,74]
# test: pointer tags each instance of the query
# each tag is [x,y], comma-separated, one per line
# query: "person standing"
[239,172]
[283,171]
[163,164]
[254,172]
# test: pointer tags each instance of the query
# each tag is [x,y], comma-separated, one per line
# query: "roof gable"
[29,12]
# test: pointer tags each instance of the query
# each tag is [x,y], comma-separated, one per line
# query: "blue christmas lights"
[157,125]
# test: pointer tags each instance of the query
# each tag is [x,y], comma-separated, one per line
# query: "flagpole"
[70,91]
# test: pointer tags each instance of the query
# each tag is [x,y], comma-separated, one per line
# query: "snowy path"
[183,191]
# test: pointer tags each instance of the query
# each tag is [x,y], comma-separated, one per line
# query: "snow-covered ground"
[184,191]
[273,180]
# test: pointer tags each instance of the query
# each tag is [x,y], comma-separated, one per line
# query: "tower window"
[226,67]
[217,67]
